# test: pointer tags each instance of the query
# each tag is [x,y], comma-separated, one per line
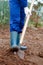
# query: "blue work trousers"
[17,15]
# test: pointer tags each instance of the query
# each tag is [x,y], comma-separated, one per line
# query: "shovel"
[21,53]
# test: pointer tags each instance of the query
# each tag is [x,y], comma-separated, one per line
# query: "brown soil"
[33,55]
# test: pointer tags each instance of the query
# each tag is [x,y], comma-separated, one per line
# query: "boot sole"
[23,48]
[15,49]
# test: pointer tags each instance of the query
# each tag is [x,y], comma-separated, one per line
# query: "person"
[18,11]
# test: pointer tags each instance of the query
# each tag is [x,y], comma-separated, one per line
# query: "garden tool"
[26,23]
[21,53]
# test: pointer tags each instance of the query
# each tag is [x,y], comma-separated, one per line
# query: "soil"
[34,53]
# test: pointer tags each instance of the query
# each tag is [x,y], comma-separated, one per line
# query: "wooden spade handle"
[26,23]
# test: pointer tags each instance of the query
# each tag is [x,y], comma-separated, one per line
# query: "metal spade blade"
[21,54]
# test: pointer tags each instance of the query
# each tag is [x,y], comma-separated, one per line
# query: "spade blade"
[21,54]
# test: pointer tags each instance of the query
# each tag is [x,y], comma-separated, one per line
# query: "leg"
[14,23]
[14,15]
[22,21]
[22,18]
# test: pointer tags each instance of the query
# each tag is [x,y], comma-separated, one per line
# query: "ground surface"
[34,53]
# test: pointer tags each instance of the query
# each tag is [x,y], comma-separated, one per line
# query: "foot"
[23,48]
[14,49]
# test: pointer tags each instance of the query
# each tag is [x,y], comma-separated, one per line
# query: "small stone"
[15,53]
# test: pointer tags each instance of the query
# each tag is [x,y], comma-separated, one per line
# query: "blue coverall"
[17,15]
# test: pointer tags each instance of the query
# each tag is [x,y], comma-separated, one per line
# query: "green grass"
[32,23]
